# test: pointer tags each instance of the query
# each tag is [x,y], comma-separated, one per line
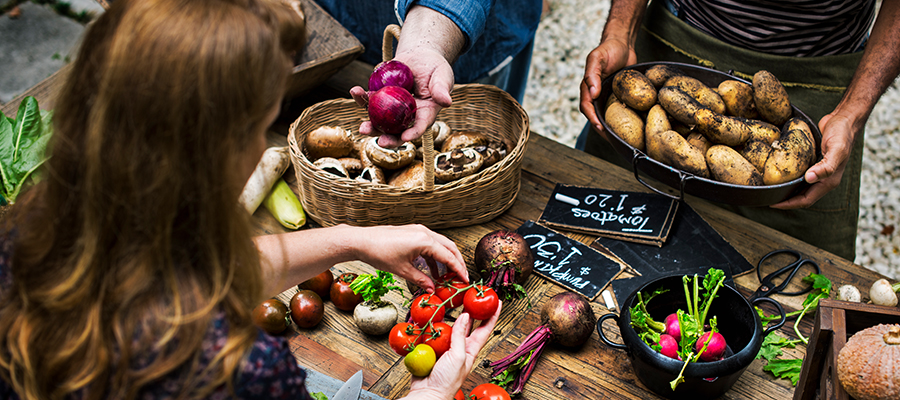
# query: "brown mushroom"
[457,164]
[439,132]
[463,139]
[353,165]
[492,153]
[333,166]
[410,177]
[371,174]
[390,158]
[328,141]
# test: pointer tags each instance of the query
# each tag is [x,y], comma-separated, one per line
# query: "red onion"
[391,73]
[392,110]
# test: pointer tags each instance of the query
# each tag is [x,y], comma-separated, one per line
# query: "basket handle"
[392,32]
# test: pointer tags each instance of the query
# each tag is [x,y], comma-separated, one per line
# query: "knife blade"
[350,389]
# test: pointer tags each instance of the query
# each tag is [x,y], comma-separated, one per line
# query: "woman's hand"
[451,369]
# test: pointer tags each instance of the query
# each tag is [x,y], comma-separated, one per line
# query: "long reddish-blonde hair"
[134,241]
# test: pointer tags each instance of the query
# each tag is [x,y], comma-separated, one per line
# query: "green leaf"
[318,396]
[373,287]
[785,369]
[23,145]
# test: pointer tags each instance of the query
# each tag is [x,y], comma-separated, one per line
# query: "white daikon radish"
[274,161]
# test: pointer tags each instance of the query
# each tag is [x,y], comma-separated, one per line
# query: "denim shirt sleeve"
[469,15]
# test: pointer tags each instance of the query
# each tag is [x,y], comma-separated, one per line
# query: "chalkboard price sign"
[632,216]
[568,262]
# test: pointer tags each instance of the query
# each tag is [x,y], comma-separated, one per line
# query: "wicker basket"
[330,200]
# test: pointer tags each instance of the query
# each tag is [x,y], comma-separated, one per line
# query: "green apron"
[814,85]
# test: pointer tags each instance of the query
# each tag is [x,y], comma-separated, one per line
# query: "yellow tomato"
[420,361]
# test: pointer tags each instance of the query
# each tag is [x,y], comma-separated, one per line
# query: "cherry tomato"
[404,337]
[341,294]
[489,391]
[438,337]
[307,309]
[321,284]
[481,302]
[459,395]
[425,308]
[420,361]
[449,286]
[272,316]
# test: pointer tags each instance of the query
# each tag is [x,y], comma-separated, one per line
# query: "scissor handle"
[767,287]
[777,305]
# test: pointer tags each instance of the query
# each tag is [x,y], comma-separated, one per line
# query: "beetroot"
[714,350]
[392,110]
[566,319]
[668,346]
[672,327]
[504,261]
[391,73]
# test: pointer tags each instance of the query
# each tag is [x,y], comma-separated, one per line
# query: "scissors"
[766,284]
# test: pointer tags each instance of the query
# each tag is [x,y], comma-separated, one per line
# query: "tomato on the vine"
[481,302]
[450,286]
[404,337]
[425,308]
[459,395]
[341,294]
[489,391]
[438,337]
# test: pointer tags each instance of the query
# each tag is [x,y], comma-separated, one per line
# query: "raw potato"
[699,91]
[673,150]
[757,152]
[724,129]
[797,123]
[680,105]
[626,124]
[763,131]
[634,89]
[771,98]
[727,165]
[657,121]
[699,141]
[660,73]
[789,159]
[738,99]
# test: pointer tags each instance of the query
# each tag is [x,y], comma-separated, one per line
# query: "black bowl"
[738,323]
[739,195]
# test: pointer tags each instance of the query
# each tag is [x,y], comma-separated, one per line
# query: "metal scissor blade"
[350,389]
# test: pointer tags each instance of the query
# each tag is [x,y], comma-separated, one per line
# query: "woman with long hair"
[130,270]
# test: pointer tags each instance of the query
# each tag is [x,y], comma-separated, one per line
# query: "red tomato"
[404,337]
[489,391]
[459,395]
[438,337]
[307,309]
[425,308]
[321,284]
[481,302]
[448,286]
[341,294]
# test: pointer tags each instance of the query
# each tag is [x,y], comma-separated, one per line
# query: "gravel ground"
[572,28]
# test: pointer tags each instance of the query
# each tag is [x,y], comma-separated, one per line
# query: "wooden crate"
[836,321]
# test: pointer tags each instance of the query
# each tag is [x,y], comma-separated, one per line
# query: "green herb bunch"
[23,144]
[373,287]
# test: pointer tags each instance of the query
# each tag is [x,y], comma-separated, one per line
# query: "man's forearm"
[624,20]
[429,29]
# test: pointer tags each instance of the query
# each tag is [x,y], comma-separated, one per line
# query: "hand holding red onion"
[392,110]
[391,73]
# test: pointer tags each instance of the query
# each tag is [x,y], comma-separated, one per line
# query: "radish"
[673,329]
[668,346]
[567,319]
[271,166]
[715,349]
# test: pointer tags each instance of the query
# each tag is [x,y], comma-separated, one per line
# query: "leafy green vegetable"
[23,143]
[786,369]
[373,287]
[318,396]
[693,321]
[821,288]
[647,329]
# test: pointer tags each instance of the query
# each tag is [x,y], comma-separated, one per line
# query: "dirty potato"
[678,153]
[724,129]
[699,91]
[738,99]
[680,105]
[699,141]
[626,124]
[789,159]
[727,165]
[660,73]
[771,98]
[797,123]
[657,121]
[764,131]
[757,152]
[634,89]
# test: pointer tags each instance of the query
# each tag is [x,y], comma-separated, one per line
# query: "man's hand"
[610,56]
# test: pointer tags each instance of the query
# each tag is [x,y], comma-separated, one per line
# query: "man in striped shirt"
[834,57]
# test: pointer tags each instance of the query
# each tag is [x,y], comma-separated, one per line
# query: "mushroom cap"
[332,165]
[439,133]
[371,174]
[353,165]
[463,139]
[328,141]
[410,177]
[457,164]
[390,158]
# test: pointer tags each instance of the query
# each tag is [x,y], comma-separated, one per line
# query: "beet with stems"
[504,260]
[391,73]
[566,319]
[392,110]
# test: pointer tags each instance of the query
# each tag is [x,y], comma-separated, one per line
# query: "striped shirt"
[799,28]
